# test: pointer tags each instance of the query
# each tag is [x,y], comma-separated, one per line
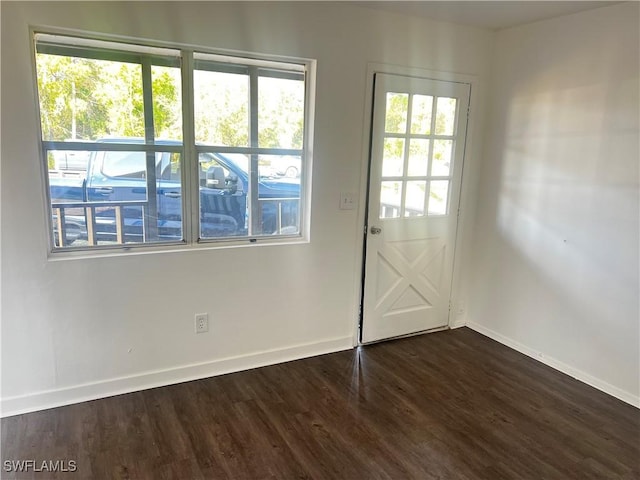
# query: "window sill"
[135,250]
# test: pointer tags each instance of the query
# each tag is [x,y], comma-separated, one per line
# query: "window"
[147,145]
[417,155]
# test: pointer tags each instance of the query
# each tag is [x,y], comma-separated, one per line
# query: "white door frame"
[464,215]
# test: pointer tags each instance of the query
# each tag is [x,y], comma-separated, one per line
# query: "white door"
[417,149]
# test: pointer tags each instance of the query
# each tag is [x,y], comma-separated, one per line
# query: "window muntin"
[251,111]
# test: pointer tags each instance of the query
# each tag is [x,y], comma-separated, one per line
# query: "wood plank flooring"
[449,405]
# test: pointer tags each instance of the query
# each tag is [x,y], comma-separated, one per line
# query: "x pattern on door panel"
[409,276]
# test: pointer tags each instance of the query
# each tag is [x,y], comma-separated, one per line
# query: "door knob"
[375,230]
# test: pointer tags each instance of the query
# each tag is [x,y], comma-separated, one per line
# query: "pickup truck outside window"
[222,156]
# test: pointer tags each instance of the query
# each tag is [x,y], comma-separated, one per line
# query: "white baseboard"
[457,324]
[558,365]
[117,386]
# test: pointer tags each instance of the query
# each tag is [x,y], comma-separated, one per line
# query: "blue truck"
[109,203]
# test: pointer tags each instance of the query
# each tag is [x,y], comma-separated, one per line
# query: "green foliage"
[268,137]
[233,127]
[298,135]
[394,148]
[124,100]
[445,116]
[221,108]
[280,113]
[167,118]
[67,88]
[86,99]
[397,105]
[396,114]
[421,110]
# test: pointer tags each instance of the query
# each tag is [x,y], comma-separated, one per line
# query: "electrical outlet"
[202,322]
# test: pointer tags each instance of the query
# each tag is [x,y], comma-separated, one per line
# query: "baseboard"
[457,324]
[558,365]
[117,386]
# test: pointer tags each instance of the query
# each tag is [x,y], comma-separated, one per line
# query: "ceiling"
[494,15]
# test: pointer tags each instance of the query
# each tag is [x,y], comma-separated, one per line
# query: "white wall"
[77,329]
[556,270]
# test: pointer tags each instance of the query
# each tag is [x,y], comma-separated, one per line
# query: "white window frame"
[188,57]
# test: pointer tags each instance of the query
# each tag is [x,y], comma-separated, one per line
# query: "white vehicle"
[286,166]
[70,160]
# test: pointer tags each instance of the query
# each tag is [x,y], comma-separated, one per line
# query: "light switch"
[347,201]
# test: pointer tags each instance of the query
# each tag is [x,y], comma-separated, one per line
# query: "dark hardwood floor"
[448,405]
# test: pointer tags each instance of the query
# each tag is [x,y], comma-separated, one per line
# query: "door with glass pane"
[417,149]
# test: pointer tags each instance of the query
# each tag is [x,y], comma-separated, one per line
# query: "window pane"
[169,190]
[441,164]
[438,196]
[421,106]
[173,172]
[445,116]
[396,112]
[280,112]
[414,199]
[221,108]
[390,197]
[393,157]
[66,184]
[418,157]
[223,196]
[167,102]
[85,99]
[111,206]
[225,201]
[279,198]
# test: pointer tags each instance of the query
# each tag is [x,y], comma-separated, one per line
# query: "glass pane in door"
[438,196]
[390,199]
[414,199]
[445,115]
[418,157]
[396,112]
[393,157]
[441,163]
[421,106]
